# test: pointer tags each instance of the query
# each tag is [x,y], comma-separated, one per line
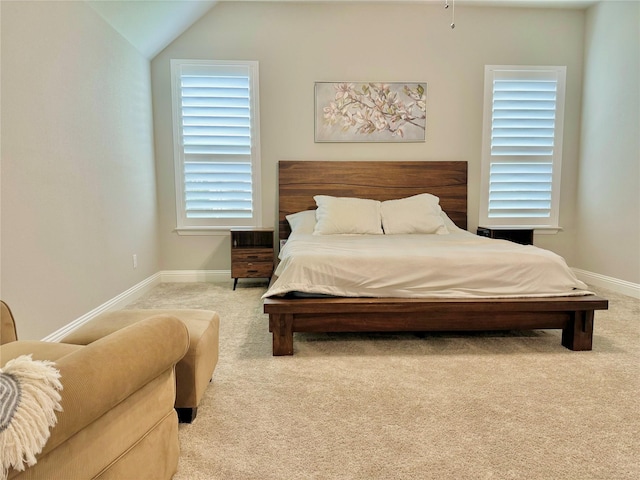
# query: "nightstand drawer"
[252,255]
[252,270]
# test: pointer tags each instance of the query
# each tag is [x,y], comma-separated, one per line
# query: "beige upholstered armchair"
[116,416]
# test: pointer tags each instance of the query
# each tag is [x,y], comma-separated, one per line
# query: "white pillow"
[339,215]
[417,214]
[302,222]
[448,223]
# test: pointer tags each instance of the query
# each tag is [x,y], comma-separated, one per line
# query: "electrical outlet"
[135,261]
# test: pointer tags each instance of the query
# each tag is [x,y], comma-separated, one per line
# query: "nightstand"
[523,236]
[252,253]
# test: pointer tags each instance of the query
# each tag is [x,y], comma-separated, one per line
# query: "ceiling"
[151,25]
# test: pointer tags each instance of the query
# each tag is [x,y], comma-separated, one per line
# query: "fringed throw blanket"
[29,399]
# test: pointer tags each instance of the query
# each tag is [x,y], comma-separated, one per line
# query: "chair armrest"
[99,376]
[7,325]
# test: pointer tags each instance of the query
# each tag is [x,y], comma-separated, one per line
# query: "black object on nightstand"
[523,236]
[252,253]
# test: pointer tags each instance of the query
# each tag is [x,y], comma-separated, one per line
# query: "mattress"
[456,265]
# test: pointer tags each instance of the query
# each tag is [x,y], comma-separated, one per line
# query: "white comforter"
[457,265]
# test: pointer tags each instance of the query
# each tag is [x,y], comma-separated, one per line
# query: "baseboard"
[135,292]
[597,280]
[115,303]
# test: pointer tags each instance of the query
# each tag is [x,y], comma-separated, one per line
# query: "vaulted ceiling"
[151,25]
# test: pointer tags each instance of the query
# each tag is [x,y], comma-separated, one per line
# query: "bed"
[292,307]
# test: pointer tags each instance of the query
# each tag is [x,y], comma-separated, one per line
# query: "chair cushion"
[37,349]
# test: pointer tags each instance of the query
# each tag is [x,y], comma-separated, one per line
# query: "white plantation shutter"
[522,145]
[217,149]
[522,189]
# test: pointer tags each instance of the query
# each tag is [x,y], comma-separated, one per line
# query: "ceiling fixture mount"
[453,11]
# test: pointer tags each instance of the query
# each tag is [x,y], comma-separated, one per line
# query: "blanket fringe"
[26,426]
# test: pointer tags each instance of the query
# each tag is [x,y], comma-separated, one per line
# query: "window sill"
[546,230]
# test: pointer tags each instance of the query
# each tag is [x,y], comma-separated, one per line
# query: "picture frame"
[391,112]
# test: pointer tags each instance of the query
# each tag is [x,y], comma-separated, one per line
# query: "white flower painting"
[370,112]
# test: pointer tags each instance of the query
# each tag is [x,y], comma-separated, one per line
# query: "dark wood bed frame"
[299,181]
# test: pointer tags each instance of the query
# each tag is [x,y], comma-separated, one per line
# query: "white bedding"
[457,265]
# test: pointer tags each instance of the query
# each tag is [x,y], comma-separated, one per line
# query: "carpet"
[490,405]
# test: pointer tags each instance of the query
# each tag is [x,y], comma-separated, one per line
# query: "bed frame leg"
[578,335]
[282,331]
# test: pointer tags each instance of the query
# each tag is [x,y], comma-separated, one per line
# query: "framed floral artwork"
[370,112]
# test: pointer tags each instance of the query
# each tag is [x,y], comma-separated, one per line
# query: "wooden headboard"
[299,181]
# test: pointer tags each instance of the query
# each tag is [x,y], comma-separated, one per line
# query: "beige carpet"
[446,406]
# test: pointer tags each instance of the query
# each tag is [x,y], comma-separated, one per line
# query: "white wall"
[608,233]
[78,179]
[300,43]
[77,169]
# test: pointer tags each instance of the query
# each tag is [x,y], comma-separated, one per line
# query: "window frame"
[550,223]
[213,226]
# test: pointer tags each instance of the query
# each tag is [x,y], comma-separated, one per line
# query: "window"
[216,144]
[522,146]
